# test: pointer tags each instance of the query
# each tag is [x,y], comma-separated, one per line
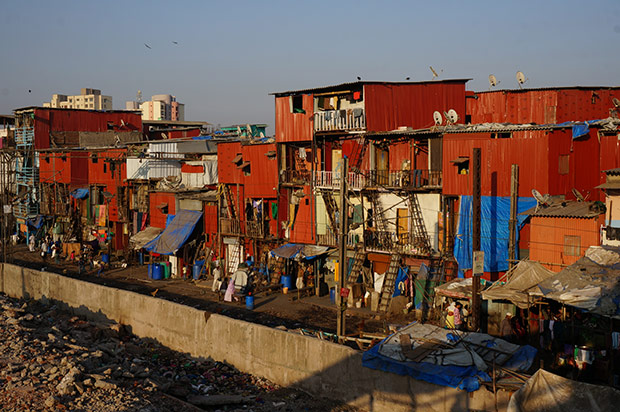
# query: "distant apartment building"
[160,107]
[90,99]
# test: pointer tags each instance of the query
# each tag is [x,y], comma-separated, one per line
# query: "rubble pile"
[52,360]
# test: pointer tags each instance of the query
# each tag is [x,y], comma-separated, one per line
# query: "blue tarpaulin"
[36,222]
[401,276]
[79,194]
[175,234]
[169,219]
[495,216]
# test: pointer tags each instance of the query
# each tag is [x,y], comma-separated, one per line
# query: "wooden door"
[402,225]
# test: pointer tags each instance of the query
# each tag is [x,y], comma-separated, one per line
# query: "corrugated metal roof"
[30,108]
[609,185]
[567,209]
[360,84]
[549,88]
[615,171]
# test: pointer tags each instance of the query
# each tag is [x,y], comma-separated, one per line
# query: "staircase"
[230,204]
[420,239]
[358,261]
[331,207]
[383,233]
[358,155]
[388,284]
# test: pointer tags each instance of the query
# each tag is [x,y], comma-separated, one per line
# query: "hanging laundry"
[332,103]
[358,113]
[357,95]
[335,102]
[302,153]
[358,214]
[274,210]
[101,221]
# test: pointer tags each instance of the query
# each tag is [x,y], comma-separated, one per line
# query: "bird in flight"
[175,42]
[407,78]
[359,78]
[147,46]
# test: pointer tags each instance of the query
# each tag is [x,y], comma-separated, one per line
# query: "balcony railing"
[331,180]
[296,176]
[392,242]
[330,239]
[410,179]
[254,229]
[230,227]
[350,119]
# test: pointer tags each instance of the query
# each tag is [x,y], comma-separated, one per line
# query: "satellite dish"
[521,78]
[437,118]
[238,130]
[540,199]
[452,116]
[616,102]
[493,80]
[249,129]
[579,196]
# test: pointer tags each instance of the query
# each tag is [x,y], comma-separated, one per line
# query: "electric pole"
[514,193]
[342,243]
[476,237]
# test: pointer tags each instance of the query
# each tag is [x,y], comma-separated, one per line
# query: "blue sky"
[231,54]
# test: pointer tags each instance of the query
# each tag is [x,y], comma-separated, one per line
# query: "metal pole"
[514,193]
[343,231]
[476,236]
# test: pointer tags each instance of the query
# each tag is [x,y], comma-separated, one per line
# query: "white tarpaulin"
[546,392]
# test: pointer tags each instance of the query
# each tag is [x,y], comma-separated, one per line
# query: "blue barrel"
[287,282]
[150,271]
[332,295]
[105,258]
[158,272]
[196,271]
[249,302]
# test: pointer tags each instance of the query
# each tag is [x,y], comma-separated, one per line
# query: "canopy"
[445,357]
[79,194]
[456,288]
[590,284]
[175,234]
[522,279]
[140,239]
[292,250]
[546,392]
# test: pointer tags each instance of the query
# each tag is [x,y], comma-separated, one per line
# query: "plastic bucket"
[285,290]
[105,258]
[249,302]
[157,272]
[332,295]
[287,281]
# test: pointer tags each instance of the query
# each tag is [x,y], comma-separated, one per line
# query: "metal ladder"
[388,284]
[420,238]
[380,221]
[331,207]
[358,261]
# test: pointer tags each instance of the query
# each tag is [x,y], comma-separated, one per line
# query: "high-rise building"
[160,107]
[90,99]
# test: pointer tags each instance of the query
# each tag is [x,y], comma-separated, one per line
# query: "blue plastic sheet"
[582,129]
[169,219]
[495,216]
[401,276]
[79,194]
[175,234]
[466,378]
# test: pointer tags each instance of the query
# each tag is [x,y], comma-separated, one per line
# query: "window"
[297,104]
[95,159]
[563,164]
[462,162]
[502,135]
[572,245]
[105,168]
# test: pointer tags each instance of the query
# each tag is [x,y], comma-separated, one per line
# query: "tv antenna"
[579,196]
[435,75]
[521,79]
[540,199]
[451,116]
[493,81]
[437,118]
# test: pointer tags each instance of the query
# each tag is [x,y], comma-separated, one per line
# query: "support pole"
[342,243]
[512,237]
[476,236]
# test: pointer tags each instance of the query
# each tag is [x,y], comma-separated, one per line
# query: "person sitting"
[240,278]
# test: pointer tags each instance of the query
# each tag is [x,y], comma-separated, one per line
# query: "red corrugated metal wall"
[547,239]
[391,106]
[227,171]
[55,167]
[210,215]
[303,229]
[263,179]
[79,169]
[294,127]
[156,217]
[51,120]
[541,106]
[177,134]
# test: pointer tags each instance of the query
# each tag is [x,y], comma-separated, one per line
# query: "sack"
[42,254]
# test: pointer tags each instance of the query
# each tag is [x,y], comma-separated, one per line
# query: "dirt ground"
[275,309]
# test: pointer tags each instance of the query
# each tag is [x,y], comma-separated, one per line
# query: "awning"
[140,239]
[460,159]
[242,165]
[292,250]
[237,158]
[175,234]
[79,194]
[609,185]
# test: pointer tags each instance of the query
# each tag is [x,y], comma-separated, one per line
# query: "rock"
[50,402]
[105,384]
[65,385]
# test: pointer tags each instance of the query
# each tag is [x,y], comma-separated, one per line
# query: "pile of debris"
[51,360]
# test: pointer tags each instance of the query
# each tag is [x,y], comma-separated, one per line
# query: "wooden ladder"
[380,221]
[230,204]
[331,207]
[358,155]
[358,261]
[237,255]
[420,238]
[388,283]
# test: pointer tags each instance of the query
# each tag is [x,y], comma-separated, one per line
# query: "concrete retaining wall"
[288,359]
